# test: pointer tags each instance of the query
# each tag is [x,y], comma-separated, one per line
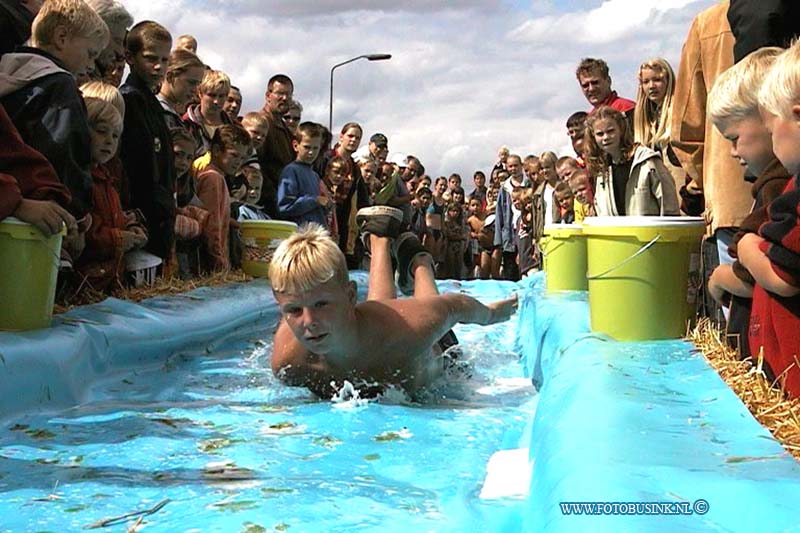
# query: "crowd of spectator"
[167,165]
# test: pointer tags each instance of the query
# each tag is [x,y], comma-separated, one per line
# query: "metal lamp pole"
[369,57]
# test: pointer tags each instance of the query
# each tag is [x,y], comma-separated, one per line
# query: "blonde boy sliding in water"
[325,337]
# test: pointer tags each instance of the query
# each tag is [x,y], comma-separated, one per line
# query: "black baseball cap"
[379,139]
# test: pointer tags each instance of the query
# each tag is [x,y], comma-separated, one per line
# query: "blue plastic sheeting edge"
[54,368]
[642,422]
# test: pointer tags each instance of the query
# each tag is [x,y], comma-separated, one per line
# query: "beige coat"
[650,190]
[703,152]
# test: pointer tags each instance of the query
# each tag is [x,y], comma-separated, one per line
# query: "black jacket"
[759,23]
[146,153]
[50,115]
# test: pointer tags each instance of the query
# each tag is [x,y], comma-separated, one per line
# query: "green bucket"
[564,250]
[639,275]
[28,282]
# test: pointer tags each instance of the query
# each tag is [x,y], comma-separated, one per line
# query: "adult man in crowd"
[595,83]
[277,151]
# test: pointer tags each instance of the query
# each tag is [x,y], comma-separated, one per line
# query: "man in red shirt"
[595,83]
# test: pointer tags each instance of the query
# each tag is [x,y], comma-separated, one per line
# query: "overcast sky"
[465,76]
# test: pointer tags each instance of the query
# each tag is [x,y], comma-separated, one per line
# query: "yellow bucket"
[564,250]
[260,239]
[643,275]
[29,262]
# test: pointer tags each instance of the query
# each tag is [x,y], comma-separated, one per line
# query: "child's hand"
[141,236]
[46,215]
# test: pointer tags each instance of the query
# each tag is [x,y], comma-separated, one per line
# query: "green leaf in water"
[250,527]
[372,457]
[282,425]
[51,461]
[40,434]
[212,445]
[326,441]
[76,509]
[19,427]
[269,491]
[283,526]
[234,506]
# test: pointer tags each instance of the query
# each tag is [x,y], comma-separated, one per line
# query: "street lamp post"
[369,57]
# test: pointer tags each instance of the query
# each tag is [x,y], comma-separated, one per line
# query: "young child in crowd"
[475,222]
[205,118]
[456,237]
[190,218]
[549,177]
[479,178]
[565,167]
[39,92]
[452,182]
[457,195]
[733,109]
[257,126]
[576,129]
[527,257]
[146,145]
[564,205]
[623,170]
[299,197]
[491,200]
[583,206]
[329,186]
[772,256]
[229,147]
[423,198]
[434,218]
[111,234]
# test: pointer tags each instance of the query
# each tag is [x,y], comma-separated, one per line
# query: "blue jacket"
[298,190]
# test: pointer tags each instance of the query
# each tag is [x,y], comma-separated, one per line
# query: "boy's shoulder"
[36,71]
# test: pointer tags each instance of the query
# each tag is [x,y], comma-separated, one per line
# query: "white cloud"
[464,78]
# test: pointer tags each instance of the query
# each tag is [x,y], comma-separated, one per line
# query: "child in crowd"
[566,166]
[434,218]
[299,197]
[184,74]
[146,145]
[630,179]
[233,103]
[190,218]
[491,200]
[457,195]
[479,178]
[549,177]
[733,109]
[229,147]
[564,205]
[329,186]
[576,129]
[39,92]
[452,182]
[423,197]
[111,234]
[257,126]
[772,256]
[456,237]
[475,222]
[583,206]
[507,216]
[527,256]
[204,118]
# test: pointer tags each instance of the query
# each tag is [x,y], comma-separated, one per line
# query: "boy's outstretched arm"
[468,310]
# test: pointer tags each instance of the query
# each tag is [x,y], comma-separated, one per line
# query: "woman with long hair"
[653,115]
[630,178]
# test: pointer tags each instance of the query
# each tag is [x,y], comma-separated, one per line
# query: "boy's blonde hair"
[780,89]
[735,93]
[76,16]
[99,111]
[254,119]
[214,81]
[106,92]
[548,159]
[307,259]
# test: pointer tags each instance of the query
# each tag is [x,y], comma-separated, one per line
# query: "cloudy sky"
[465,76]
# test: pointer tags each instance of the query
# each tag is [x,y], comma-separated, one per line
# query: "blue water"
[232,449]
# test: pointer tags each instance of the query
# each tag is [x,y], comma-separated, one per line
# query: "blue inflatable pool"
[166,413]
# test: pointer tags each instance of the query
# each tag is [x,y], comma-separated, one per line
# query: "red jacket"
[24,172]
[623,105]
[102,262]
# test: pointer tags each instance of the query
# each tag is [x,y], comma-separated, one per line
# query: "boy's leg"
[381,276]
[378,225]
